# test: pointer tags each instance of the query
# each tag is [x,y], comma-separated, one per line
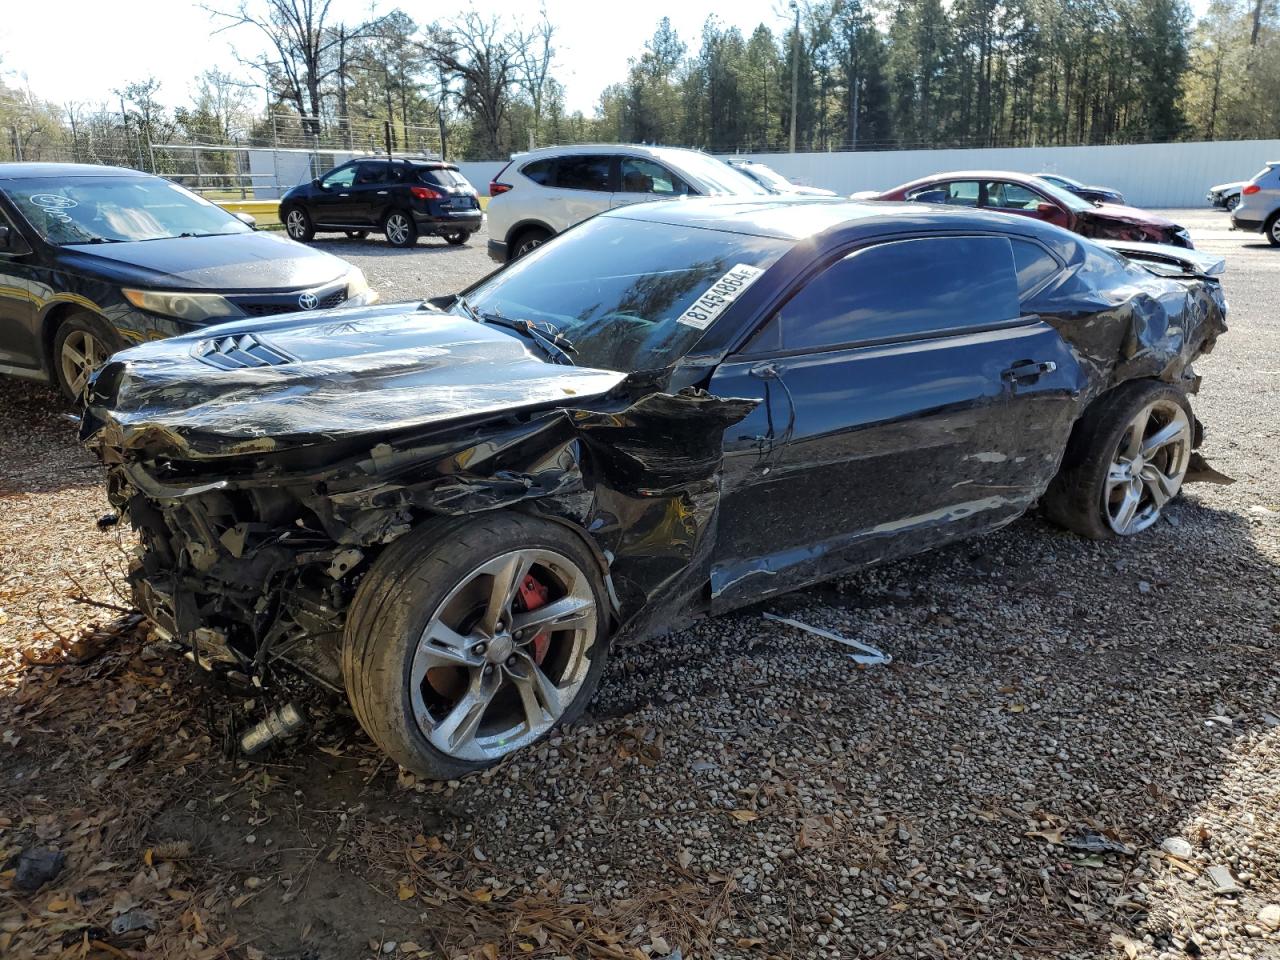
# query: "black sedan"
[1083,191]
[93,259]
[666,412]
[405,198]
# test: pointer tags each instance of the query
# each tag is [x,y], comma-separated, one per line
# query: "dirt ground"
[1056,711]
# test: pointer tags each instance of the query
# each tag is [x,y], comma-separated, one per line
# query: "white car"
[544,192]
[775,182]
[1226,194]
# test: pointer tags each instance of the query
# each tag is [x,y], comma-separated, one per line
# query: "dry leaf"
[405,891]
[490,951]
[483,895]
[744,816]
[1017,707]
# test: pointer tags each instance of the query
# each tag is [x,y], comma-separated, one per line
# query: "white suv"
[543,192]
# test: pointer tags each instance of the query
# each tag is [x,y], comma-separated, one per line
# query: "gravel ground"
[1071,737]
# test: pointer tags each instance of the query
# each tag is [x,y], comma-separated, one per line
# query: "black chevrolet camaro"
[669,411]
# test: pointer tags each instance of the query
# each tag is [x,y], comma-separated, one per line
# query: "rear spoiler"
[1167,260]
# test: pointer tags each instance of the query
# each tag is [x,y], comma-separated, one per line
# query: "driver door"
[20,291]
[905,401]
[332,203]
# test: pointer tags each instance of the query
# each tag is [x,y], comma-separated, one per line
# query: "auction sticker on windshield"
[719,296]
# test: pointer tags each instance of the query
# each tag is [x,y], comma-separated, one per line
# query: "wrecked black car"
[671,410]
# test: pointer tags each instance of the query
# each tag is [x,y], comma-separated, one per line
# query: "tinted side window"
[370,173]
[583,173]
[905,288]
[1012,196]
[443,177]
[645,176]
[540,171]
[1034,264]
[11,241]
[962,193]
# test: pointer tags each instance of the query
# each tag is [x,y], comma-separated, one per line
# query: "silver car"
[1226,194]
[1259,207]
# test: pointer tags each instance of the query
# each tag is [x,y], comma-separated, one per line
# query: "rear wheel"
[528,241]
[82,344]
[1233,201]
[468,641]
[1125,460]
[399,229]
[1273,230]
[456,239]
[298,225]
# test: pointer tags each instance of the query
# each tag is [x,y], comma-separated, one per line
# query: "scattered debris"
[1090,841]
[869,657]
[132,920]
[38,866]
[1177,847]
[280,724]
[1269,916]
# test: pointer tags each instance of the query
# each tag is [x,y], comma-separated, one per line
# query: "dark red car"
[1028,196]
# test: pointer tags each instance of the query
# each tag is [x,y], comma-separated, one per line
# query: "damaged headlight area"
[188,307]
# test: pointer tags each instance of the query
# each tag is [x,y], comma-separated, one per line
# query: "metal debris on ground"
[1088,841]
[869,657]
[280,724]
[38,866]
[1223,882]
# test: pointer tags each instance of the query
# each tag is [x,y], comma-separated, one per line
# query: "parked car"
[451,511]
[405,197]
[1037,199]
[1259,207]
[544,192]
[775,182]
[1092,194]
[1226,194]
[93,259]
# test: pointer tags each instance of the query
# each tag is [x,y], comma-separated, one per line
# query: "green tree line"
[866,74]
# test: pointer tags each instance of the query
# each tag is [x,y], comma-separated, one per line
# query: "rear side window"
[541,172]
[962,193]
[1034,264]
[442,178]
[369,173]
[583,173]
[906,288]
[1012,196]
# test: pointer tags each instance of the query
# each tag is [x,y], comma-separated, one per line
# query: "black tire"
[297,223]
[81,335]
[1232,202]
[1272,230]
[399,597]
[399,229]
[1074,499]
[356,234]
[528,240]
[457,239]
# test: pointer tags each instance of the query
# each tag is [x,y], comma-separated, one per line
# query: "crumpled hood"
[259,386]
[1117,211]
[257,261]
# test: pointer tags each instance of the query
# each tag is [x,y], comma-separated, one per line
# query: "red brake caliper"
[534,595]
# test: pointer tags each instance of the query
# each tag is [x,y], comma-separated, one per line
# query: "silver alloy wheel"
[1275,230]
[479,685]
[397,228]
[1148,466]
[81,355]
[297,224]
[1233,201]
[529,245]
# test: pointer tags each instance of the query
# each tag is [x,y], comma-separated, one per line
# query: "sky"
[80,50]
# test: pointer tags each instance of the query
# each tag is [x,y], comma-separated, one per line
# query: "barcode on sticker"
[719,296]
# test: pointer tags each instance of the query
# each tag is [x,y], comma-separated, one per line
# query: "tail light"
[424,193]
[496,188]
[1251,189]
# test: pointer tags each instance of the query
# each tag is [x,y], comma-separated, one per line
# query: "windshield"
[70,210]
[770,177]
[618,289]
[1064,197]
[715,176]
[1059,180]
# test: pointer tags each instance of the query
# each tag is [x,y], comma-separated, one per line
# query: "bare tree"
[308,49]
[477,53]
[533,58]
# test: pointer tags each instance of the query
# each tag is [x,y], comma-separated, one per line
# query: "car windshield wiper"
[75,243]
[554,344]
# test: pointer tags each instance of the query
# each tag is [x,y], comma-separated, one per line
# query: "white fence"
[1149,175]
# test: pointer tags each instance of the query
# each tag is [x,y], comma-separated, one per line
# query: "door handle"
[344,194]
[1027,370]
[382,193]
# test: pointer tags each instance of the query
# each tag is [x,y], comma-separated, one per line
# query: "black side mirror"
[6,235]
[315,182]
[11,241]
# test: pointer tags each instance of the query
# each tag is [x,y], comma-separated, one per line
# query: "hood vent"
[238,353]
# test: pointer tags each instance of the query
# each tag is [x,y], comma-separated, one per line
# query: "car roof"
[1009,175]
[641,149]
[27,171]
[800,218]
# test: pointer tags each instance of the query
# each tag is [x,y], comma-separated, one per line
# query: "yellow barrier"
[268,211]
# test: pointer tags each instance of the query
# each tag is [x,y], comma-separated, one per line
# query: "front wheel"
[1233,201]
[468,641]
[82,344]
[1273,230]
[399,229]
[298,225]
[1126,459]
